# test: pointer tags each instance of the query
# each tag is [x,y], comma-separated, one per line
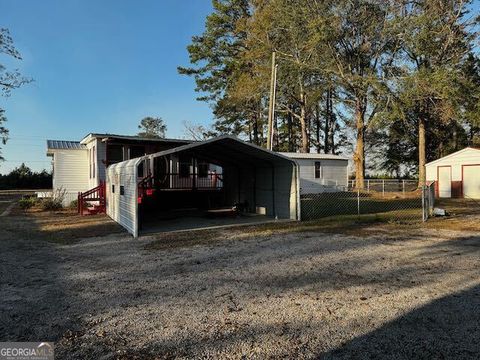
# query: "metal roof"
[227,149]
[294,155]
[132,137]
[64,145]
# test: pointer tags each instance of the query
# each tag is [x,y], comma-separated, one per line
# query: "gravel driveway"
[414,294]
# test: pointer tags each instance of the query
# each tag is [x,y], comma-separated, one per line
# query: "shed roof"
[315,156]
[64,145]
[452,155]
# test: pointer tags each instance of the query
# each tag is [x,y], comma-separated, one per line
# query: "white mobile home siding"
[98,172]
[70,172]
[333,175]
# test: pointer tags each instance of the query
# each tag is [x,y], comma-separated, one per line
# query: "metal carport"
[251,174]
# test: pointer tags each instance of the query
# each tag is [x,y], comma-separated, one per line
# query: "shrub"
[73,204]
[27,202]
[52,204]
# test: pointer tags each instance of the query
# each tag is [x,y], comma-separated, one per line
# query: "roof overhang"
[453,155]
[314,156]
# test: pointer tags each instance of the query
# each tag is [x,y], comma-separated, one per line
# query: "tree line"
[397,82]
[22,177]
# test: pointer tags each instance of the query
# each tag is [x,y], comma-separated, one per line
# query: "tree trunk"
[332,124]
[255,129]
[359,156]
[250,130]
[317,127]
[326,129]
[303,122]
[422,154]
[291,146]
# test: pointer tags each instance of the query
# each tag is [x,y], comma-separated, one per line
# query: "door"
[471,181]
[444,181]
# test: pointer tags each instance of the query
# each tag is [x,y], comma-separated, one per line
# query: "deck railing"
[211,181]
[92,201]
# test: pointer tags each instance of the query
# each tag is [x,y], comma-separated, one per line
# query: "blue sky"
[99,66]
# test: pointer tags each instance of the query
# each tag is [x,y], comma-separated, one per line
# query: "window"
[122,190]
[318,170]
[136,151]
[89,163]
[93,162]
[203,170]
[113,188]
[114,153]
[184,163]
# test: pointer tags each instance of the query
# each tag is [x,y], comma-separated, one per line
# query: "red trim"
[96,194]
[438,179]
[462,174]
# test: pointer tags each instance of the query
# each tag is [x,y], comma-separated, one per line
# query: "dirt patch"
[403,293]
[64,226]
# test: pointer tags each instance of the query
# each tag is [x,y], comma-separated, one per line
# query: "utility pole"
[271,107]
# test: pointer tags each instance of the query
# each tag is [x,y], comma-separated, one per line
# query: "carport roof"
[227,149]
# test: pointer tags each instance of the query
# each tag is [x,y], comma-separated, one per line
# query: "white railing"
[386,185]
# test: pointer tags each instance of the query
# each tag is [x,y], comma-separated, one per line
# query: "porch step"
[96,209]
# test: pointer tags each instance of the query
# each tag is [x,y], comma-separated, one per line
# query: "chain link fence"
[405,205]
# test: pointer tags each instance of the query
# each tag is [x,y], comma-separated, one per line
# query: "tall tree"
[435,41]
[280,26]
[9,79]
[356,36]
[152,127]
[217,65]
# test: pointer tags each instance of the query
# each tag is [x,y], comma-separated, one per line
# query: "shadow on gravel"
[447,328]
[33,293]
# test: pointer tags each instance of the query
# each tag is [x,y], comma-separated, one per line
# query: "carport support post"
[273,192]
[254,189]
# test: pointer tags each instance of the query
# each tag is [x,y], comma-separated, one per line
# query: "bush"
[27,202]
[73,204]
[52,204]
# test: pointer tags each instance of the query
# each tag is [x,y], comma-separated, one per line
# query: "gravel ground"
[413,294]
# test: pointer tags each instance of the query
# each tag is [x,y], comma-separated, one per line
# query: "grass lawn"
[315,206]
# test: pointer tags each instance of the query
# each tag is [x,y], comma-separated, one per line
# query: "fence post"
[424,217]
[403,187]
[368,185]
[383,188]
[358,201]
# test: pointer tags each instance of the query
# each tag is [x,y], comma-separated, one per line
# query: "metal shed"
[456,175]
[261,180]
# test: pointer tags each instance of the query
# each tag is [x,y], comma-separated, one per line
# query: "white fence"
[387,185]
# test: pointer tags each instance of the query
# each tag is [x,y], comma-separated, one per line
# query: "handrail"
[95,194]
